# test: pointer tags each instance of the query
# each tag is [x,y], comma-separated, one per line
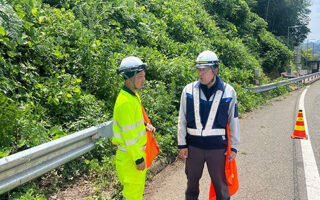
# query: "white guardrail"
[26,165]
[305,79]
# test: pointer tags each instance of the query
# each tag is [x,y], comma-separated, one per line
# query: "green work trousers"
[133,180]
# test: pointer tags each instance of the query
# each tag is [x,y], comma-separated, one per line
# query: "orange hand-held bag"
[152,147]
[231,173]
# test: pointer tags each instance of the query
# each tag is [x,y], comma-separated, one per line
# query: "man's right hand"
[184,153]
[141,166]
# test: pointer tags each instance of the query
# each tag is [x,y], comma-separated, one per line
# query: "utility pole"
[307,55]
[267,12]
[312,49]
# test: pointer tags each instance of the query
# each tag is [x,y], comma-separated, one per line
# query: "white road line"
[309,162]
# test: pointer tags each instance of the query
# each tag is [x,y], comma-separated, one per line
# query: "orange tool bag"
[152,147]
[231,173]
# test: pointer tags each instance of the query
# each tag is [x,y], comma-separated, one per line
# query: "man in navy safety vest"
[205,109]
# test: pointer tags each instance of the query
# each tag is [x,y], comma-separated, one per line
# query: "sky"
[314,23]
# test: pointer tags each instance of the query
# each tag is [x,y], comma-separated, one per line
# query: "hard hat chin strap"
[134,80]
[125,76]
[214,71]
[214,75]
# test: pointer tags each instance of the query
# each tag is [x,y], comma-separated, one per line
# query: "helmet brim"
[137,68]
[205,64]
[202,66]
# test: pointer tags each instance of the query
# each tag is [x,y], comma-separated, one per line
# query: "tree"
[282,14]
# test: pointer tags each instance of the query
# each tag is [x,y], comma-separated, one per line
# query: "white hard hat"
[207,59]
[130,65]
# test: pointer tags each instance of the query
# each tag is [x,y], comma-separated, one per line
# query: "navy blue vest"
[221,120]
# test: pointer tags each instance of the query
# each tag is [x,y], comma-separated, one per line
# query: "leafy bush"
[8,123]
[275,54]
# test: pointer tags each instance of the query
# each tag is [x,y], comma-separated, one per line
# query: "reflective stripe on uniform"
[117,135]
[128,127]
[196,97]
[125,149]
[213,110]
[209,132]
[122,148]
[135,140]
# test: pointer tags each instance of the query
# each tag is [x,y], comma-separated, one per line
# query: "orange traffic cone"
[299,130]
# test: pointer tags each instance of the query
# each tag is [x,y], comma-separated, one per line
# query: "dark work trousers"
[215,160]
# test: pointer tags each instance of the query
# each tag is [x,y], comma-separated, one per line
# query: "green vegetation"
[310,52]
[58,61]
[285,17]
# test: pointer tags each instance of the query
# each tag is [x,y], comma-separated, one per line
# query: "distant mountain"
[310,42]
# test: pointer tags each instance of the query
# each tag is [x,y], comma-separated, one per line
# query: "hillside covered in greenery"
[58,61]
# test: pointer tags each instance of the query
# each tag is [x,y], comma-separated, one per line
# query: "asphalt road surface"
[270,162]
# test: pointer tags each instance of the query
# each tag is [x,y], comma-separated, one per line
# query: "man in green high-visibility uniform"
[129,131]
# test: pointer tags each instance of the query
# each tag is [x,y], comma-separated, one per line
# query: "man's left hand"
[141,166]
[232,156]
[151,128]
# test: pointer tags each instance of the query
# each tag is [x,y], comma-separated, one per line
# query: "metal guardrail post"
[26,165]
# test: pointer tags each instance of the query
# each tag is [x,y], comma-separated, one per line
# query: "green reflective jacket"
[129,131]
